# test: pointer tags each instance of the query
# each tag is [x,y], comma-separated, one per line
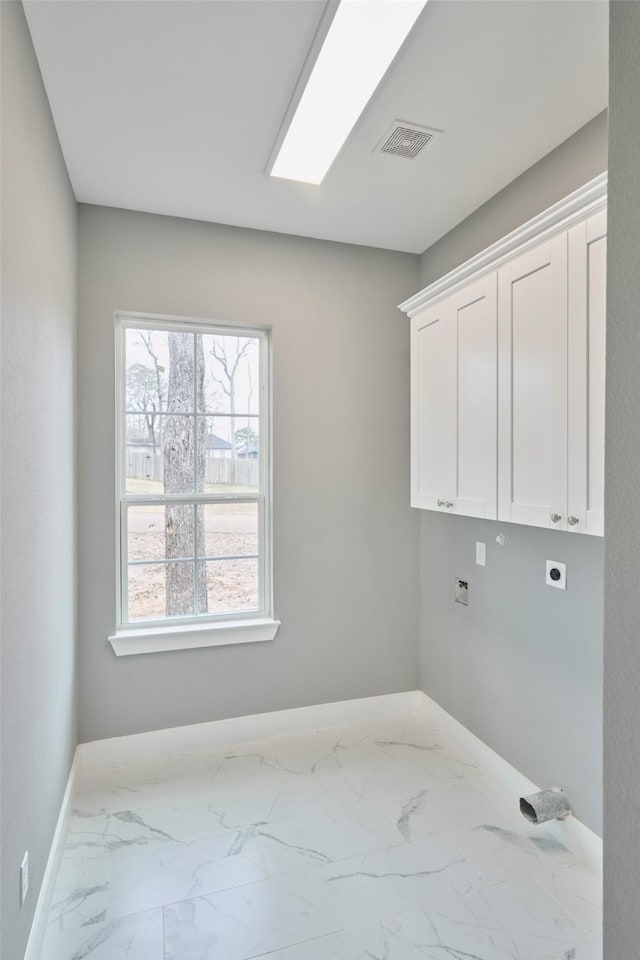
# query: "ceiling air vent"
[405,140]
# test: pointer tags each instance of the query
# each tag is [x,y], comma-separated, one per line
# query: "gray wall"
[38,721]
[577,160]
[622,553]
[346,541]
[522,666]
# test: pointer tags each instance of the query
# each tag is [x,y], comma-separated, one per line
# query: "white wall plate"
[556,575]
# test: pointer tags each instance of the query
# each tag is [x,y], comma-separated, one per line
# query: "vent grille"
[406,142]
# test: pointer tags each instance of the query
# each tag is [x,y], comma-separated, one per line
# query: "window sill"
[127,643]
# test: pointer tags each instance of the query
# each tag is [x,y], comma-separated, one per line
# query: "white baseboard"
[41,913]
[202,736]
[578,838]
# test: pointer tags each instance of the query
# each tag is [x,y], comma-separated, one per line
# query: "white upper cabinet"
[532,321]
[454,403]
[508,375]
[587,314]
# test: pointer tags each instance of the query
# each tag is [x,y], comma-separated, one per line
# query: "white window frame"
[147,636]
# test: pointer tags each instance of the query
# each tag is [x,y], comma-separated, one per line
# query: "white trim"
[200,736]
[586,201]
[196,322]
[188,636]
[583,842]
[263,497]
[43,906]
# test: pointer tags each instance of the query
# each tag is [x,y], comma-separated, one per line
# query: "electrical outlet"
[556,575]
[481,553]
[24,878]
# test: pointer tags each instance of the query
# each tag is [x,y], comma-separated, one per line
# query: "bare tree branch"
[230,367]
[222,384]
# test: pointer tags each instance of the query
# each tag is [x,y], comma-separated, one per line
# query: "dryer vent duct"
[544,806]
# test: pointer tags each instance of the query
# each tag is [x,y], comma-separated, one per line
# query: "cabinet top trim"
[583,202]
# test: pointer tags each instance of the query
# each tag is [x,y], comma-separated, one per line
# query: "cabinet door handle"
[573,521]
[556,518]
[441,503]
[449,504]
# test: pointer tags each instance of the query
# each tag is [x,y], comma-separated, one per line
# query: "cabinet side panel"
[597,267]
[577,446]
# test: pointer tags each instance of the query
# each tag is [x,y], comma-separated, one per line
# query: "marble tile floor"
[378,841]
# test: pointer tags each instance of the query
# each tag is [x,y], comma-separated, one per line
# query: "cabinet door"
[474,312]
[587,315]
[433,408]
[532,387]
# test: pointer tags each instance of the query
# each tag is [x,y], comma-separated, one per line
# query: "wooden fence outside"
[223,471]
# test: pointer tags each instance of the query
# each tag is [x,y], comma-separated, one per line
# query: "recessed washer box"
[462,592]
[556,574]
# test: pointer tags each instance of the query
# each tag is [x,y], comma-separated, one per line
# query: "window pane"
[231,586]
[159,533]
[192,429]
[178,456]
[161,590]
[162,369]
[228,529]
[143,454]
[147,370]
[231,374]
[232,454]
[160,455]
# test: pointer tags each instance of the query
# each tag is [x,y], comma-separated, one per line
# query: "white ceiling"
[172,107]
